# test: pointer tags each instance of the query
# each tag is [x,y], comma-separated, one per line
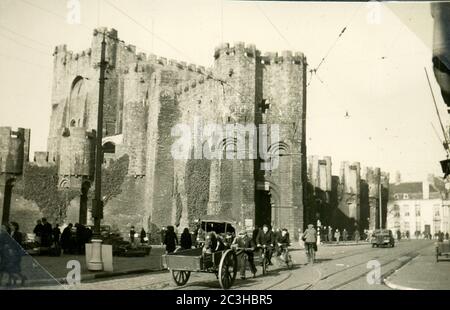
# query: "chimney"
[426,189]
[398,178]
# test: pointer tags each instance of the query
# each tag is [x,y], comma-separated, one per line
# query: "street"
[338,268]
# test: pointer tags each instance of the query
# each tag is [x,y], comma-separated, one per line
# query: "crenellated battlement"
[239,49]
[43,159]
[286,57]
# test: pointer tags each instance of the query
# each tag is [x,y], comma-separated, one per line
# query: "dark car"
[382,237]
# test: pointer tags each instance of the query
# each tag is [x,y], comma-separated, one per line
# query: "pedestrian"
[143,236]
[56,232]
[66,239]
[245,252]
[399,235]
[357,236]
[170,239]
[80,238]
[46,233]
[310,239]
[344,235]
[186,239]
[330,234]
[132,233]
[12,255]
[446,236]
[337,235]
[38,232]
[301,243]
[441,236]
[15,234]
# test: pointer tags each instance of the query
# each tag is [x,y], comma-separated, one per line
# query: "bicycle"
[285,257]
[264,259]
[311,253]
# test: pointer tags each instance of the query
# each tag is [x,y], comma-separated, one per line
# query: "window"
[436,213]
[395,196]
[417,212]
[407,213]
[405,196]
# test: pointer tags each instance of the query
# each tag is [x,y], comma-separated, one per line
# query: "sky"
[373,73]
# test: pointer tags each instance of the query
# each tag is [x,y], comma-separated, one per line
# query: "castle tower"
[14,153]
[349,203]
[283,104]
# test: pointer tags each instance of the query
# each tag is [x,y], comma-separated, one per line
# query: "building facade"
[419,207]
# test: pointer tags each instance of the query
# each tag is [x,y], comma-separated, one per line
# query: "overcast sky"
[374,71]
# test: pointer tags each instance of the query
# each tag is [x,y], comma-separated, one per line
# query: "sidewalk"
[422,273]
[46,270]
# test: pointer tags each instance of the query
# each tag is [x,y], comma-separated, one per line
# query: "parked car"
[382,237]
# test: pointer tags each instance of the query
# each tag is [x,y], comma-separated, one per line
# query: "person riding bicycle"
[310,239]
[245,248]
[283,241]
[266,240]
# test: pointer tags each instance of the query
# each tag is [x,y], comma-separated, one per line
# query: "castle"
[146,97]
[156,109]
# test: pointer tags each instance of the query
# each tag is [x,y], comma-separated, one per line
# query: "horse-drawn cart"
[222,263]
[213,256]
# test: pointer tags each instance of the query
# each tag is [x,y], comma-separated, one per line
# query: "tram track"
[411,255]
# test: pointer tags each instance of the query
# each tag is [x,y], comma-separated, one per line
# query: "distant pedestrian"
[132,233]
[344,235]
[186,239]
[357,236]
[12,252]
[170,239]
[330,234]
[143,235]
[56,232]
[337,236]
[446,236]
[46,233]
[67,240]
[38,229]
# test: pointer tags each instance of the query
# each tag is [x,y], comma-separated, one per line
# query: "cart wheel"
[227,269]
[180,277]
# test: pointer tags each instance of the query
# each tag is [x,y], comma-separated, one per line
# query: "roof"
[217,219]
[410,188]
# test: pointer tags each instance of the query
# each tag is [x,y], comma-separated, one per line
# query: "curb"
[344,244]
[88,277]
[399,287]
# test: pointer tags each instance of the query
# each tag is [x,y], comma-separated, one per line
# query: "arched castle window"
[77,102]
[109,148]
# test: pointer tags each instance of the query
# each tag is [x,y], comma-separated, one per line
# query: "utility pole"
[381,204]
[97,202]
[96,262]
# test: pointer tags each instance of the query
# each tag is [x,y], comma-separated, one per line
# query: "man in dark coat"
[56,235]
[246,247]
[66,239]
[266,238]
[46,233]
[170,239]
[38,229]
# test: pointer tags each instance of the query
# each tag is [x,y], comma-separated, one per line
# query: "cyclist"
[283,241]
[266,239]
[310,239]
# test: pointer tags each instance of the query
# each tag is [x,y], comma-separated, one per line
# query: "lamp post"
[96,263]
